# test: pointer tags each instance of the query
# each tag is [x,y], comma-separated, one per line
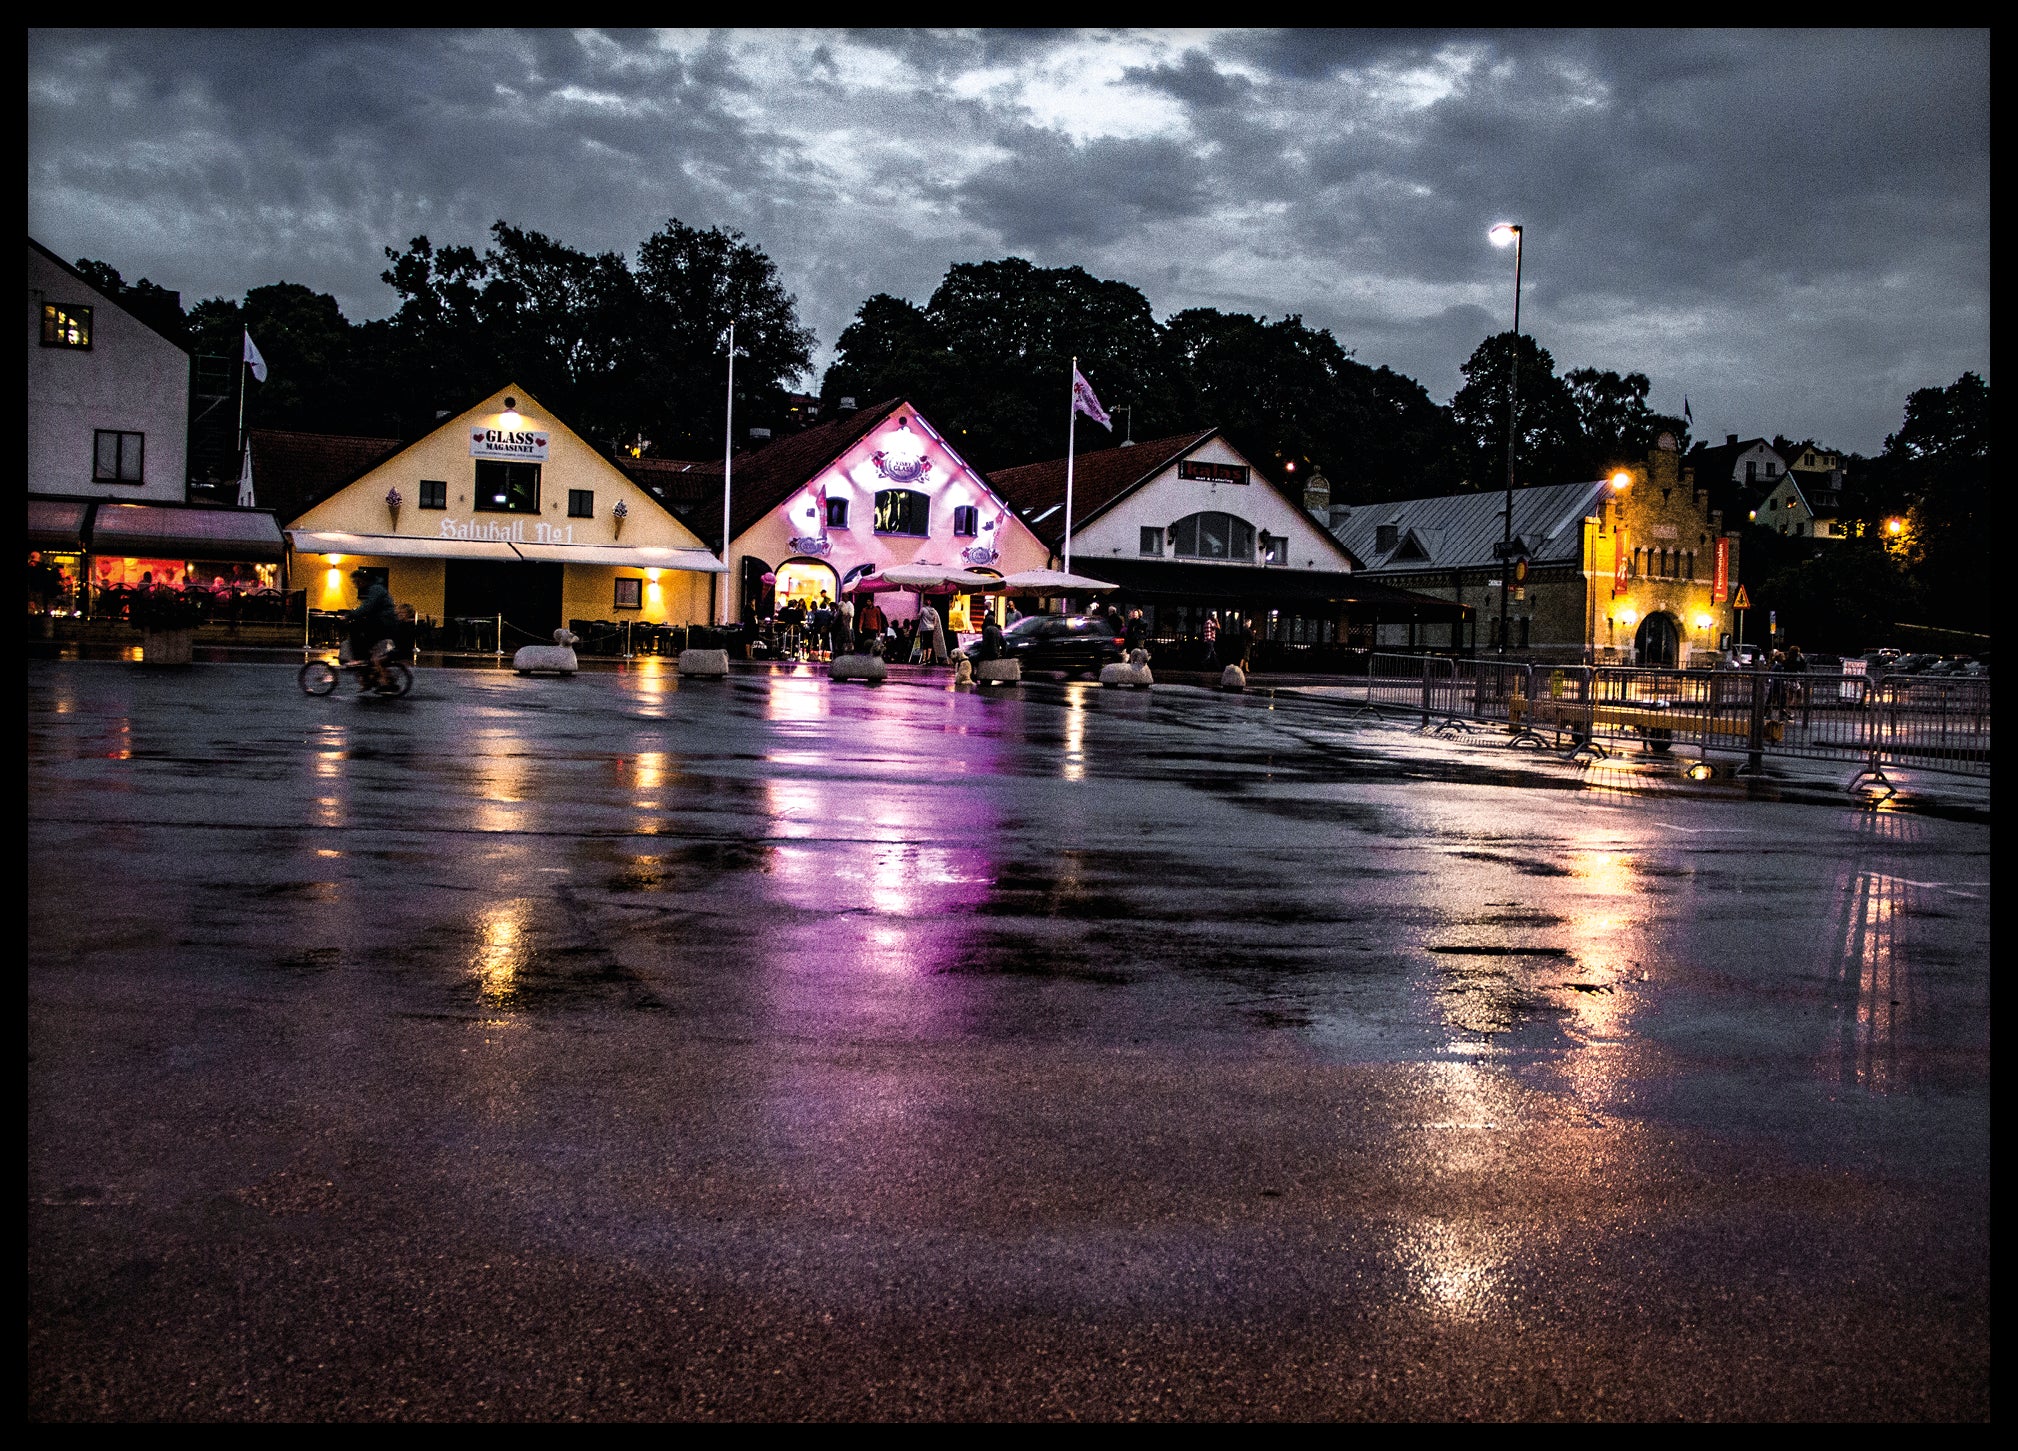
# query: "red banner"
[1720,585]
[1619,561]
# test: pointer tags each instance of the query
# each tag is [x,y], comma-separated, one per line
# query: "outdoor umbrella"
[1053,582]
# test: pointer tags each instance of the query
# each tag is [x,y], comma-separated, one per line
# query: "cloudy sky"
[1792,229]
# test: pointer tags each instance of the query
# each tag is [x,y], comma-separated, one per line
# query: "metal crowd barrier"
[1591,711]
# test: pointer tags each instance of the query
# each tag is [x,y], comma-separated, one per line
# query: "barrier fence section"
[1929,723]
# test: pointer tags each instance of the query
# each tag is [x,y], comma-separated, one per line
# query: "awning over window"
[399,546]
[159,532]
[1270,586]
[643,556]
[56,523]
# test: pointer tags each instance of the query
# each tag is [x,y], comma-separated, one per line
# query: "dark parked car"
[1058,642]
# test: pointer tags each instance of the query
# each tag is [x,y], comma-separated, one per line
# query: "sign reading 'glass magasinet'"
[528,443]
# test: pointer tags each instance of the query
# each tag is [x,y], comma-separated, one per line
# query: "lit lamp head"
[511,413]
[1703,622]
[1621,481]
[1895,526]
[1505,234]
[1627,617]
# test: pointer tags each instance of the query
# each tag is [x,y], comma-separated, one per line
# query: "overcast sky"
[1792,229]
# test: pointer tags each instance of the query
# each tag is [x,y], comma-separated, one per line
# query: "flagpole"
[728,455]
[1071,433]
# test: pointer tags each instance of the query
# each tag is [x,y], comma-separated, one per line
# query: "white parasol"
[1054,581]
[933,576]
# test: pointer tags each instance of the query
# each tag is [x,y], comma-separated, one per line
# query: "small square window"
[581,503]
[116,458]
[65,327]
[630,593]
[837,513]
[434,493]
[1273,550]
[1152,541]
[966,520]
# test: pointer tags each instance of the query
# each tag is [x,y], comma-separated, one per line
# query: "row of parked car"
[1896,662]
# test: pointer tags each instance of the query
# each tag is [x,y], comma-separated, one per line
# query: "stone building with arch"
[1633,568]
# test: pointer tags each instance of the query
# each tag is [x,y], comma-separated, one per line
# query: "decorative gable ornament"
[903,461]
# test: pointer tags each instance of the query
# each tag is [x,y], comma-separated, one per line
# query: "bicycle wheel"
[317,677]
[399,679]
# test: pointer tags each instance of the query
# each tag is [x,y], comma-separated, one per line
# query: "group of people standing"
[1229,641]
[823,627]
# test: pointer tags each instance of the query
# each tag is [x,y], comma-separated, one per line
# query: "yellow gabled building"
[503,510]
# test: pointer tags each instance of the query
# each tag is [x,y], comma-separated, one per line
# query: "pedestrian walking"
[823,626]
[844,625]
[1211,632]
[1135,632]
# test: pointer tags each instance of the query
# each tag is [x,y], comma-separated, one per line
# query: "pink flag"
[1084,402]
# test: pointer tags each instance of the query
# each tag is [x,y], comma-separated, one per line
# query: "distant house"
[1735,471]
[1188,526]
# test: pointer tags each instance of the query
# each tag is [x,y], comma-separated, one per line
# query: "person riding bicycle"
[372,626]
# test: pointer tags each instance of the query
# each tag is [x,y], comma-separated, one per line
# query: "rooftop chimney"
[1730,440]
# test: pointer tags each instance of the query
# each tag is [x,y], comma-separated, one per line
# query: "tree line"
[631,351]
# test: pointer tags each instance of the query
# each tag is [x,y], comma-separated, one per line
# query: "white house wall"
[1165,499]
[793,530]
[130,380]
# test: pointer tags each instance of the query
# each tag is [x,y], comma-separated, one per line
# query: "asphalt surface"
[623,1047]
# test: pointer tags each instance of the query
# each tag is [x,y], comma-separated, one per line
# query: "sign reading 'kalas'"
[525,443]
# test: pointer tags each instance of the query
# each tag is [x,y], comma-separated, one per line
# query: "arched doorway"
[805,580]
[1658,641]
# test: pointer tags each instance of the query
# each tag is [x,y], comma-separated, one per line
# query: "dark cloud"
[1792,228]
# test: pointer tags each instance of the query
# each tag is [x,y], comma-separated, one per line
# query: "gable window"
[434,493]
[1212,535]
[507,487]
[966,520]
[837,513]
[116,458]
[1192,468]
[1273,550]
[581,503]
[903,511]
[1152,541]
[65,327]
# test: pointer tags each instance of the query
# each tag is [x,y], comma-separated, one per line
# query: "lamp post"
[1502,235]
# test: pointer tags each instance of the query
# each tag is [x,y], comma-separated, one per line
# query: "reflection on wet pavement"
[1043,1034]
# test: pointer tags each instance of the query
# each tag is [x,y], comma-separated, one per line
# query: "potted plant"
[167,618]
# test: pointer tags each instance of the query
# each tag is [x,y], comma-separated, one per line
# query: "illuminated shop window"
[65,326]
[507,487]
[903,511]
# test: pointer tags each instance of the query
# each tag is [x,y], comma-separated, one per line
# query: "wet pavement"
[630,1047]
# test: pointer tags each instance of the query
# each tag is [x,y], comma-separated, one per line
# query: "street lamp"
[1502,235]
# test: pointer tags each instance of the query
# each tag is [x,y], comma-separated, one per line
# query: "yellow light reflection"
[1870,982]
[1458,1268]
[1075,736]
[500,954]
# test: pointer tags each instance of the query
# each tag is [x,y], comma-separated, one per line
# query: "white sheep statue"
[558,657]
[998,672]
[868,668]
[708,664]
[1233,678]
[1132,671]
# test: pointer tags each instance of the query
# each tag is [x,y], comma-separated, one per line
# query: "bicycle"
[319,677]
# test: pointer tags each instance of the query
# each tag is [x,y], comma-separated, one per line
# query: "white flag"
[1084,402]
[252,356]
[245,479]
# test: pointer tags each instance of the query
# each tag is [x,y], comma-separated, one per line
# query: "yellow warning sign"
[1741,601]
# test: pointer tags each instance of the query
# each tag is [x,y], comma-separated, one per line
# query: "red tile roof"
[293,472]
[1100,478]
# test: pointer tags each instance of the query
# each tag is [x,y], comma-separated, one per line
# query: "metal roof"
[1459,531]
